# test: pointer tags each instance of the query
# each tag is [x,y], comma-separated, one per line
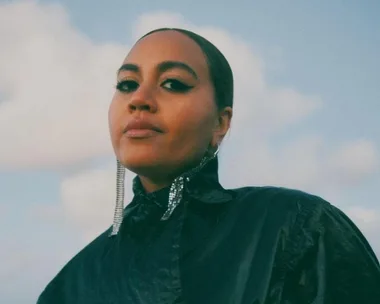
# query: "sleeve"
[335,263]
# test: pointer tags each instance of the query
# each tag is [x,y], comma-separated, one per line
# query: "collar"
[204,186]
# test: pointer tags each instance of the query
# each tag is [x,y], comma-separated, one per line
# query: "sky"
[306,113]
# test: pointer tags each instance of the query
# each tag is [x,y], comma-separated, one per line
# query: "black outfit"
[252,245]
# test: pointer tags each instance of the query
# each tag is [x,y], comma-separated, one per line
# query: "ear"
[222,125]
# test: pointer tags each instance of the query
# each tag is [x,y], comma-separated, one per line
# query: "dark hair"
[219,68]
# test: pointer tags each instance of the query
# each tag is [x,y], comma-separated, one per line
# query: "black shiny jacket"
[251,245]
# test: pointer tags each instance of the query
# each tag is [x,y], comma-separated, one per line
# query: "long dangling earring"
[119,209]
[175,194]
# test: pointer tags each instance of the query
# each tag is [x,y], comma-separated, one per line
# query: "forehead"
[167,46]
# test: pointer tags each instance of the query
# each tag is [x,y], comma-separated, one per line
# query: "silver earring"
[175,193]
[216,152]
[176,188]
[119,209]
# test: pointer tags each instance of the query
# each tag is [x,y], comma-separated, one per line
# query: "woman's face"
[164,81]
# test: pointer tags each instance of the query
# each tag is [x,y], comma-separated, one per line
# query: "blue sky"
[306,113]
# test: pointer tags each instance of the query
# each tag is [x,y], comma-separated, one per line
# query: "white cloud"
[88,199]
[368,221]
[150,21]
[307,163]
[79,90]
[257,106]
[355,161]
[261,111]
[56,84]
[366,216]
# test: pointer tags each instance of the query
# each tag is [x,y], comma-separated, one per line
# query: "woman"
[186,239]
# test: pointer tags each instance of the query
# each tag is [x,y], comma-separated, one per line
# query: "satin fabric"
[251,245]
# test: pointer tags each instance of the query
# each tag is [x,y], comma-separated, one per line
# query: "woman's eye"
[175,85]
[127,86]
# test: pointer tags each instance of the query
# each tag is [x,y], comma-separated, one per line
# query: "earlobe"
[224,121]
[222,125]
[225,118]
[213,148]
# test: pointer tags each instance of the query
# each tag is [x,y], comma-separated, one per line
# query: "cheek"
[192,126]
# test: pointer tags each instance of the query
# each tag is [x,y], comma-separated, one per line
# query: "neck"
[151,185]
[153,182]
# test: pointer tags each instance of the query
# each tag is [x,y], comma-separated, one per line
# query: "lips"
[140,129]
[141,124]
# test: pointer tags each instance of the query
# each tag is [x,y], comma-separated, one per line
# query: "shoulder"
[80,267]
[279,199]
[303,215]
[308,218]
[277,211]
[94,248]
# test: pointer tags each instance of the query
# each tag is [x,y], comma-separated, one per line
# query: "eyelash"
[183,88]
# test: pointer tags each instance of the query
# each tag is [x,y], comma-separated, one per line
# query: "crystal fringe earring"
[176,189]
[175,194]
[119,209]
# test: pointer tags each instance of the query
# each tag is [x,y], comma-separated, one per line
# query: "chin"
[139,162]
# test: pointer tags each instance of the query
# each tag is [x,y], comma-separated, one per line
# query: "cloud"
[56,86]
[262,108]
[36,243]
[306,162]
[366,216]
[88,199]
[262,112]
[78,91]
[355,161]
[368,221]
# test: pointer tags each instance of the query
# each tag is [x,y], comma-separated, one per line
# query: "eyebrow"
[161,67]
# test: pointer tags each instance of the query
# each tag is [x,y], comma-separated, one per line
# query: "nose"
[142,100]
